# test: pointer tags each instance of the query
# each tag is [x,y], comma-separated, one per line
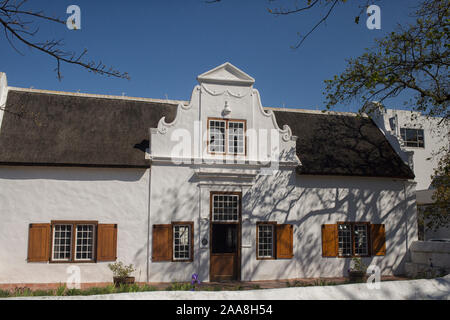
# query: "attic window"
[413,137]
[226,136]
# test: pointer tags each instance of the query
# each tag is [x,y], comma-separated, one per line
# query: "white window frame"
[226,137]
[54,240]
[210,132]
[237,197]
[416,142]
[346,236]
[366,238]
[272,254]
[92,245]
[189,232]
[229,141]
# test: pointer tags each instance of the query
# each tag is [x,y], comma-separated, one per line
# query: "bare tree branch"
[16,28]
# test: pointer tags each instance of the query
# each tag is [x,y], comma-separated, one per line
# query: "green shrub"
[120,270]
[43,293]
[180,287]
[147,287]
[73,292]
[61,290]
[4,294]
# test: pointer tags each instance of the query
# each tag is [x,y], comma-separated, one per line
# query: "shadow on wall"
[71,173]
[307,202]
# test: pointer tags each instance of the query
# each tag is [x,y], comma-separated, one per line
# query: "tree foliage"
[437,215]
[414,58]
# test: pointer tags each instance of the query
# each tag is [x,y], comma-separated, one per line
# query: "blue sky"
[164,45]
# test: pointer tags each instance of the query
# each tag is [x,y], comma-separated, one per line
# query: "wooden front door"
[225,236]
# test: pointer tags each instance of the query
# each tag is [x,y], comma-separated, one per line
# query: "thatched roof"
[56,129]
[333,144]
[75,130]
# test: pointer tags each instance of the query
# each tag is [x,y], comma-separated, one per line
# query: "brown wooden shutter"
[329,240]
[107,242]
[285,236]
[162,242]
[378,236]
[39,236]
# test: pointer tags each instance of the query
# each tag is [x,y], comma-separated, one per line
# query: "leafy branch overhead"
[20,25]
[414,58]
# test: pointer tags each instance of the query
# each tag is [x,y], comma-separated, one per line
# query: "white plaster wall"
[3,95]
[41,194]
[173,198]
[307,202]
[436,136]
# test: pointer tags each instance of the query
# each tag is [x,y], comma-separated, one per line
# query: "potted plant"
[122,273]
[357,272]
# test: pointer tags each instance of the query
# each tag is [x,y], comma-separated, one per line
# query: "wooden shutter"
[107,242]
[39,237]
[285,236]
[162,242]
[329,240]
[378,236]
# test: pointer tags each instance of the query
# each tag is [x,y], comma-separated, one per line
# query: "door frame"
[239,229]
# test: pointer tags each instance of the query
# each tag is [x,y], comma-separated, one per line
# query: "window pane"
[413,137]
[216,136]
[84,249]
[225,207]
[361,247]
[345,239]
[236,137]
[62,241]
[265,241]
[182,242]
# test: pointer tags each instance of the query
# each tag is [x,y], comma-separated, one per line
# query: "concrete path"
[390,290]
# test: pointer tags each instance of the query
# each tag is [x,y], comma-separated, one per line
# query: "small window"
[265,241]
[73,241]
[84,242]
[225,207]
[236,138]
[361,248]
[62,242]
[217,136]
[226,136]
[345,239]
[181,242]
[353,239]
[413,137]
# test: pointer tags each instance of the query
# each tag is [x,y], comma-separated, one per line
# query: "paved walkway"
[389,290]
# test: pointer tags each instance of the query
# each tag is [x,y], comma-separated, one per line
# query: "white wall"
[436,136]
[179,193]
[3,95]
[41,194]
[307,202]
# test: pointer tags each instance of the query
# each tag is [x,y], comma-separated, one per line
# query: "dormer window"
[226,136]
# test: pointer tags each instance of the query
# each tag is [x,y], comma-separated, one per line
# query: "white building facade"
[217,186]
[421,141]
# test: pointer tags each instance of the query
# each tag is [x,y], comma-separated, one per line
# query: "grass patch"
[180,287]
[64,291]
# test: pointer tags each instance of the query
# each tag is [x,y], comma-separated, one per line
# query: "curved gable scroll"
[224,93]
